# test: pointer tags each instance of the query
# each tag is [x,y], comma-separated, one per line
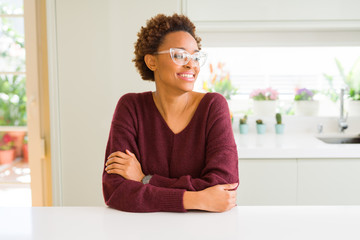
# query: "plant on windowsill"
[264,101]
[7,150]
[279,126]
[220,82]
[260,127]
[243,126]
[305,105]
[352,81]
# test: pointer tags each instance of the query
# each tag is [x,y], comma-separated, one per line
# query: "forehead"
[180,39]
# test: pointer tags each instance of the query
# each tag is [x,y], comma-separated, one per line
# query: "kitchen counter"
[292,145]
[255,222]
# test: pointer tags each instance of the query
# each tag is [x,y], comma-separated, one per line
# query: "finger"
[116,160]
[115,166]
[231,186]
[130,153]
[118,154]
[116,171]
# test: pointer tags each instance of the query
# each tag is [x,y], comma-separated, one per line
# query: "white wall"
[91,68]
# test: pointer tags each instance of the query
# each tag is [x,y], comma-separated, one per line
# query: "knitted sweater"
[202,155]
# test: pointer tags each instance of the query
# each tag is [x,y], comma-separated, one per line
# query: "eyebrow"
[196,50]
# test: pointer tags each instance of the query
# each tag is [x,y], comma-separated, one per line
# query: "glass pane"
[12,51]
[282,68]
[12,100]
[11,7]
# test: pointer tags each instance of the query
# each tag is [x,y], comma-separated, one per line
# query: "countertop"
[292,145]
[242,222]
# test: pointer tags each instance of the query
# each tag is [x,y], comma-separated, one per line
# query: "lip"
[186,78]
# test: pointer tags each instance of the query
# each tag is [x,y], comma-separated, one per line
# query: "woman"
[172,149]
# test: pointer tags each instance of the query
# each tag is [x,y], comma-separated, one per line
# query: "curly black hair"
[152,35]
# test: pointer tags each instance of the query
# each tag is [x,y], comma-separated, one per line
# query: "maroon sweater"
[200,156]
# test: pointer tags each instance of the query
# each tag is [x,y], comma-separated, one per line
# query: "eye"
[179,55]
[197,57]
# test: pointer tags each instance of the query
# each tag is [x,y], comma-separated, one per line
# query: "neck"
[170,104]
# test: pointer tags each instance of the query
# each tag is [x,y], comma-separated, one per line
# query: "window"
[14,168]
[282,68]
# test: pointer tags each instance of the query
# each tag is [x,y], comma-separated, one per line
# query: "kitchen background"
[285,45]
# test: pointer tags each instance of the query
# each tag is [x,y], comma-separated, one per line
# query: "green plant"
[351,79]
[220,82]
[259,121]
[243,120]
[12,100]
[264,94]
[12,87]
[278,118]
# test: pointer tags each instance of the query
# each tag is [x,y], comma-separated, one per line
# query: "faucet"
[342,119]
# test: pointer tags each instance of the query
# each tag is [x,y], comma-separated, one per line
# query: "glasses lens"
[200,58]
[179,56]
[182,57]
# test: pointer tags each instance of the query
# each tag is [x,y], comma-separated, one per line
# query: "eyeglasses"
[182,57]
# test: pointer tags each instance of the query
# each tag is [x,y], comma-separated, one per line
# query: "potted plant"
[264,101]
[260,127]
[7,151]
[25,149]
[279,126]
[305,105]
[219,81]
[352,81]
[243,126]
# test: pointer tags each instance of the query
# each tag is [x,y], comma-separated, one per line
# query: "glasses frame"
[188,56]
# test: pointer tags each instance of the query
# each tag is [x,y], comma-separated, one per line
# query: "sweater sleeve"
[221,163]
[128,195]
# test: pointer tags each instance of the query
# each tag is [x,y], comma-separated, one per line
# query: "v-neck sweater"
[202,155]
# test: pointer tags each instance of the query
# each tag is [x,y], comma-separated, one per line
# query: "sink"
[340,139]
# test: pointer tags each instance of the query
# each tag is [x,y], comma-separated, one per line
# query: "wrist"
[192,200]
[146,179]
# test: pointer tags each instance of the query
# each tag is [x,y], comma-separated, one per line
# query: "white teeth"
[186,75]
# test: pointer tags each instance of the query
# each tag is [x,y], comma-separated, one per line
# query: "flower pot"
[306,108]
[7,156]
[244,128]
[354,108]
[264,108]
[25,153]
[260,128]
[279,128]
[18,138]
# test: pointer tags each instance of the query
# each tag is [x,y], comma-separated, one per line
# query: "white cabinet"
[271,10]
[267,182]
[329,181]
[274,14]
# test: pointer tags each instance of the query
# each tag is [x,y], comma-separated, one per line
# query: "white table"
[268,222]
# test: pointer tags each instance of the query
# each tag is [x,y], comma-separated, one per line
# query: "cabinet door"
[267,182]
[329,181]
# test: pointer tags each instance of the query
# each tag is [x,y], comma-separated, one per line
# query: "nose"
[191,64]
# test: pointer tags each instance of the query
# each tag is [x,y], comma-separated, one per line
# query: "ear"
[150,62]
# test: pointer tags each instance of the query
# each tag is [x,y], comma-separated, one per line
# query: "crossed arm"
[217,198]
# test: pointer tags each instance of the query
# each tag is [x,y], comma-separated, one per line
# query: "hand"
[125,165]
[219,198]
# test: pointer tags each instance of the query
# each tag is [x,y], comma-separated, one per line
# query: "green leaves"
[12,100]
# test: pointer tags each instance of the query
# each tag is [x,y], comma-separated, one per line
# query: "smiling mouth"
[187,76]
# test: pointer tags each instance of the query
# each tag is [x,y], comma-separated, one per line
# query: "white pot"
[354,108]
[306,108]
[264,108]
